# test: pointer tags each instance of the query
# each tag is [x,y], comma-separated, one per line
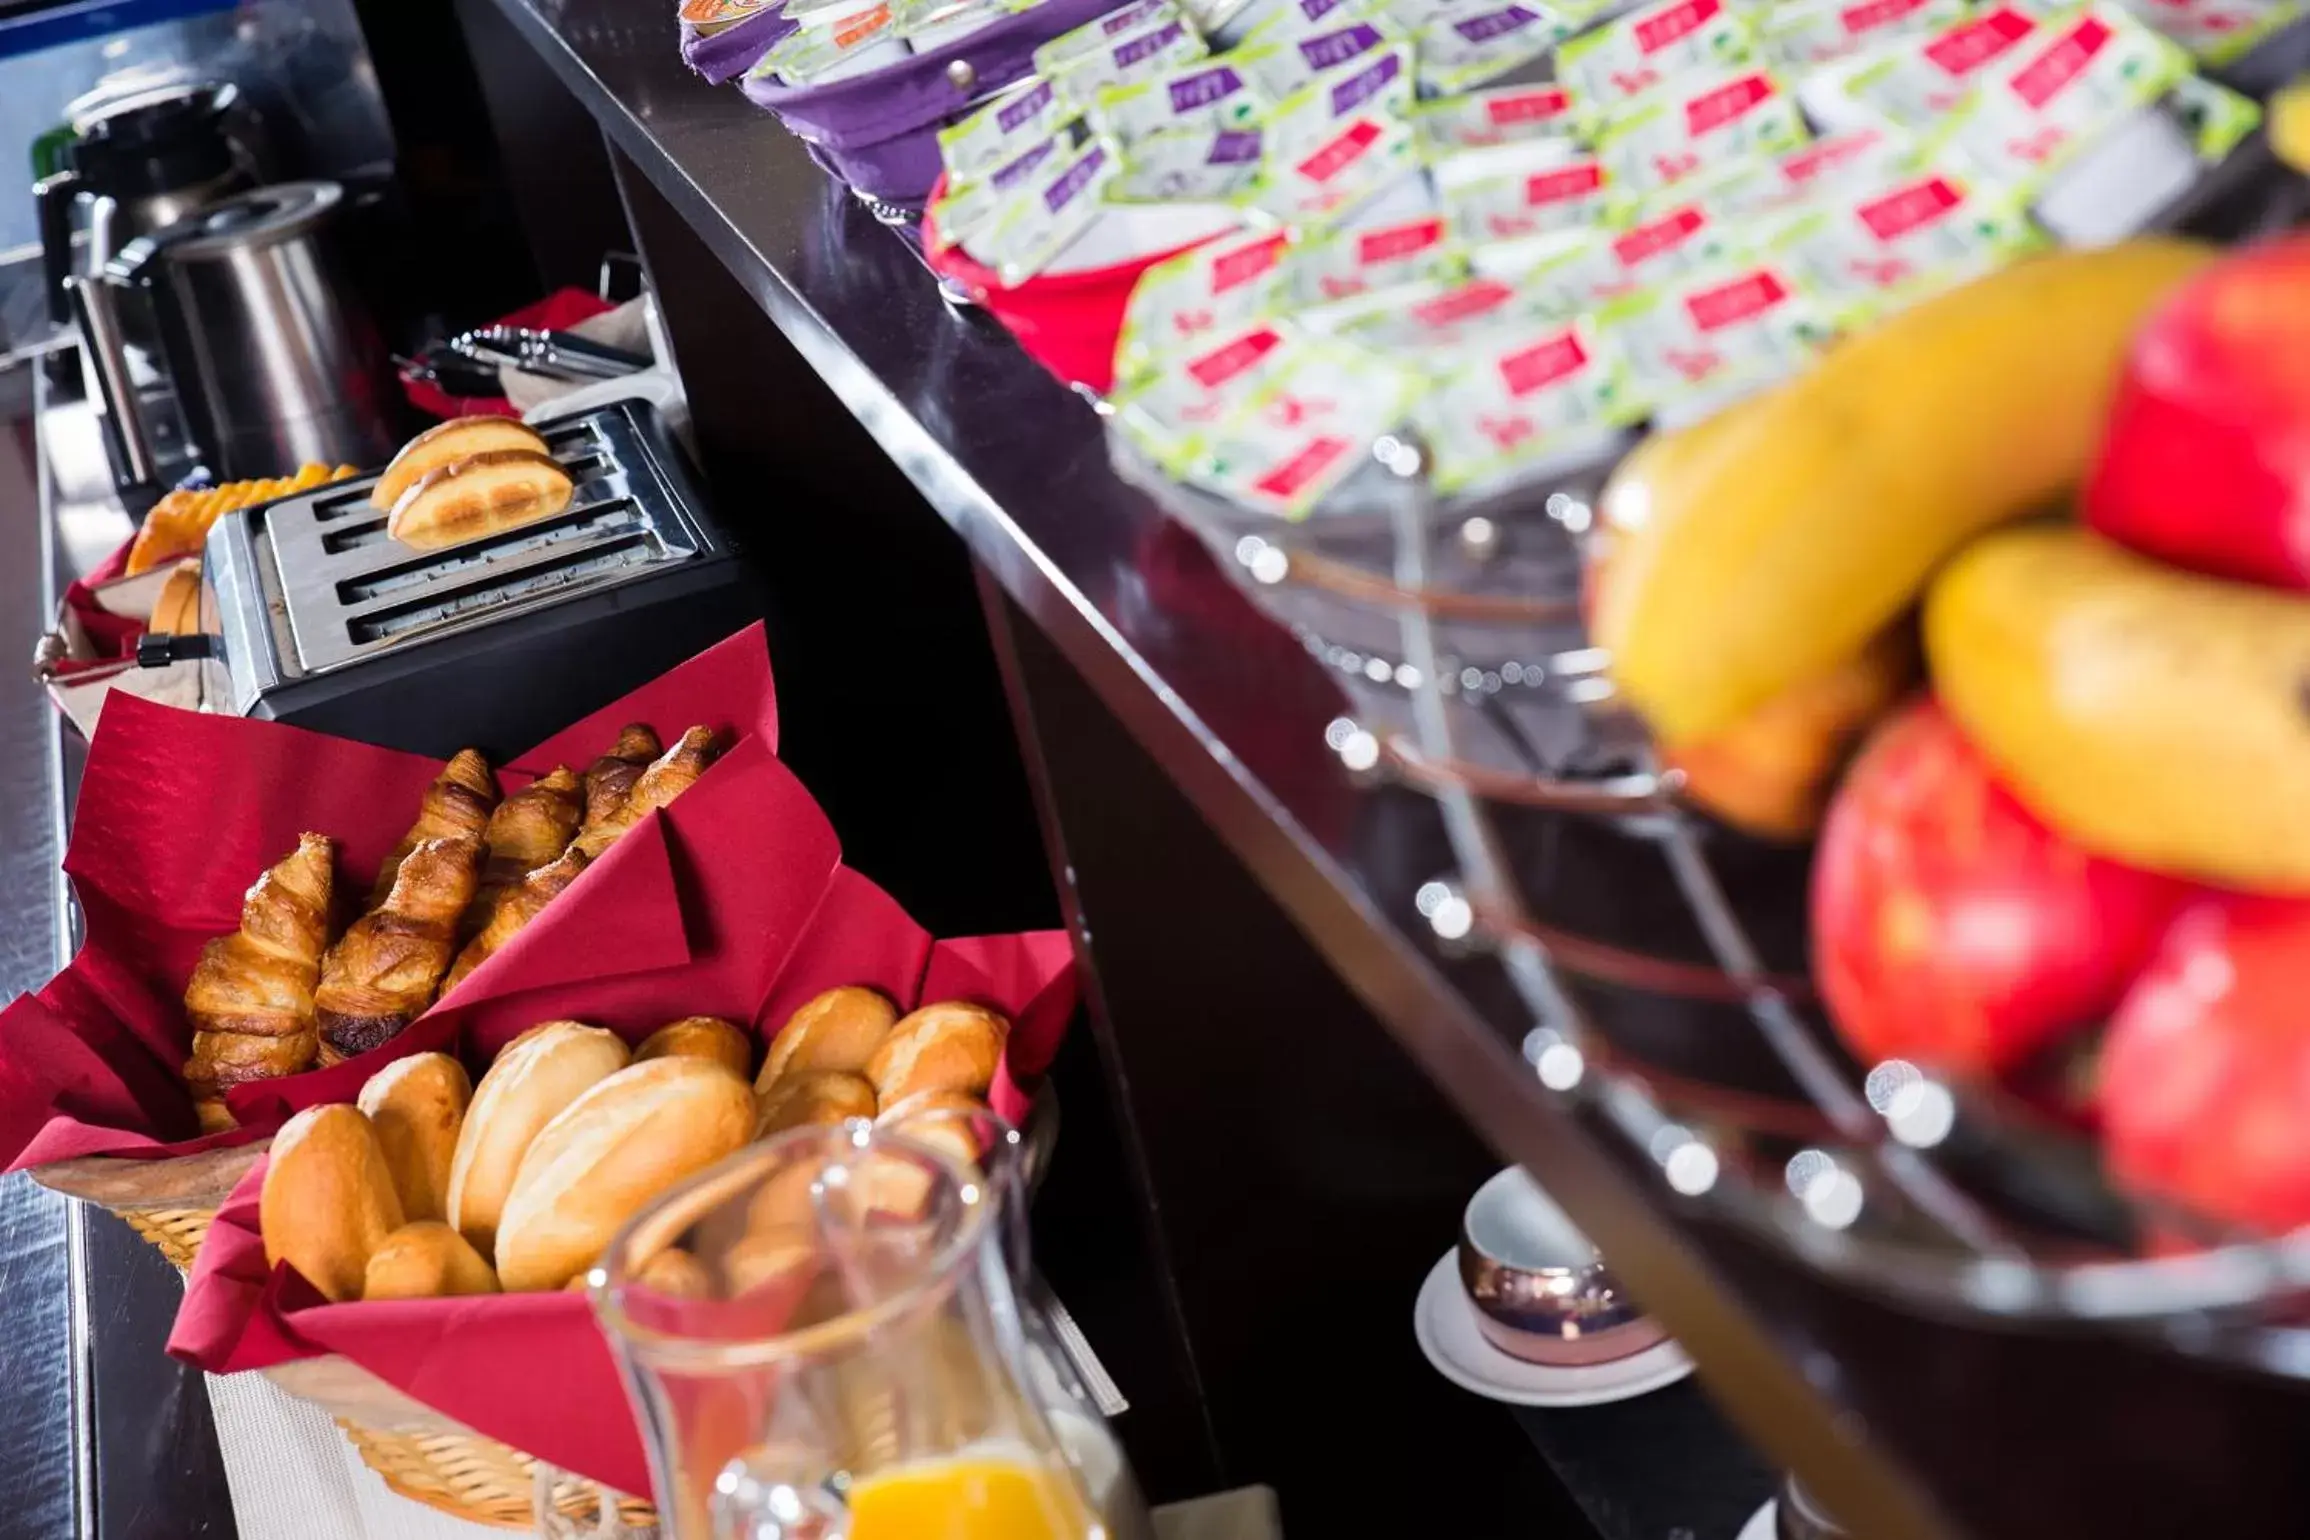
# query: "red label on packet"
[1962,50]
[1656,32]
[1394,241]
[2043,78]
[1563,186]
[1537,105]
[1728,303]
[863,24]
[1909,208]
[1828,154]
[1646,241]
[1873,14]
[1287,480]
[1222,364]
[1240,267]
[1543,363]
[1470,299]
[1725,104]
[1341,153]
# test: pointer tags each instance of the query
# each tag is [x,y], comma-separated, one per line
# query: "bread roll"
[445,444]
[839,1029]
[176,610]
[948,1121]
[952,1046]
[815,1096]
[700,1037]
[496,489]
[426,1260]
[539,1073]
[328,1201]
[417,1106]
[611,1151]
[675,1272]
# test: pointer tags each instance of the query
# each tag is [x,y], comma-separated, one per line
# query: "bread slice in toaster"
[446,443]
[479,495]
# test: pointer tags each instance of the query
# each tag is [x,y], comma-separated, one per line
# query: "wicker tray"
[168,1202]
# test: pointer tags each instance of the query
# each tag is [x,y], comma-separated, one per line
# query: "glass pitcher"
[824,1340]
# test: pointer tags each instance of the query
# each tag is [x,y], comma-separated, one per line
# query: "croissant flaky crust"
[530,829]
[383,972]
[457,803]
[522,903]
[251,995]
[610,779]
[668,776]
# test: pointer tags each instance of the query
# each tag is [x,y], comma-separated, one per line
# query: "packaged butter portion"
[1538,187]
[997,132]
[1470,46]
[854,43]
[1137,55]
[1208,94]
[2039,106]
[1169,411]
[1815,32]
[928,25]
[1864,255]
[1535,395]
[1211,165]
[1702,126]
[1044,214]
[1710,338]
[1664,245]
[2218,32]
[1480,120]
[1635,55]
[1290,19]
[1097,36]
[1917,83]
[1187,302]
[1859,157]
[1434,335]
[966,205]
[1281,66]
[1305,430]
[1335,281]
[1339,141]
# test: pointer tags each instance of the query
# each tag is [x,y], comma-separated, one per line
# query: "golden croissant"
[610,779]
[383,972]
[530,829]
[521,903]
[458,802]
[250,999]
[669,775]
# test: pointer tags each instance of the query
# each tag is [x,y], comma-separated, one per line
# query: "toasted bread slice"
[479,495]
[460,438]
[176,611]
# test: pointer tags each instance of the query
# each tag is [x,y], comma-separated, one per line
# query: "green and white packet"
[1865,254]
[1716,335]
[2216,32]
[1518,191]
[1702,126]
[1479,120]
[1435,335]
[1207,94]
[1632,56]
[1278,67]
[1336,280]
[1302,18]
[1101,33]
[862,39]
[1171,409]
[1859,157]
[2216,118]
[1336,141]
[965,207]
[1607,265]
[1140,55]
[1812,33]
[1209,165]
[1307,428]
[1532,395]
[2042,104]
[1044,214]
[997,132]
[1916,84]
[1468,46]
[1186,302]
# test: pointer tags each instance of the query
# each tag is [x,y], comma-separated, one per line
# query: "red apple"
[2205,1078]
[2206,462]
[1950,926]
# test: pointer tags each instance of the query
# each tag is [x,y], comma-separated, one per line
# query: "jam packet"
[1858,157]
[1434,335]
[1279,67]
[1043,214]
[928,25]
[1174,406]
[1916,84]
[1290,19]
[853,43]
[2076,79]
[1518,191]
[1816,32]
[1101,34]
[1338,141]
[1701,125]
[1471,45]
[1637,54]
[1208,94]
[1479,120]
[1334,281]
[966,205]
[1308,427]
[1864,254]
[1711,337]
[1211,165]
[1140,55]
[2218,32]
[1186,302]
[1603,266]
[997,132]
[1532,395]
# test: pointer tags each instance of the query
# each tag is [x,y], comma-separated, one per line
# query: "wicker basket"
[168,1202]
[445,1465]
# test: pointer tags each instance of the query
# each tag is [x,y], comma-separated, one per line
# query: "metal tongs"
[556,355]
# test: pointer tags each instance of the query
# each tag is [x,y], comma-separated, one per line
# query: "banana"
[2151,715]
[1777,549]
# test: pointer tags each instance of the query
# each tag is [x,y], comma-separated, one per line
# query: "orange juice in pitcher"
[990,1494]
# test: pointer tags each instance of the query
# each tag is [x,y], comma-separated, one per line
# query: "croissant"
[458,802]
[529,830]
[610,779]
[250,998]
[669,775]
[521,903]
[383,971]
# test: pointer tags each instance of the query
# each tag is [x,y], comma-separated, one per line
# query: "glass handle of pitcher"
[750,1504]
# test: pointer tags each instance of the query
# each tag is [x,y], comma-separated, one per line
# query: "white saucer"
[1445,1323]
[1761,1523]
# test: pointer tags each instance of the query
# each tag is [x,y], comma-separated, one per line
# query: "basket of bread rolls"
[413,1261]
[272,916]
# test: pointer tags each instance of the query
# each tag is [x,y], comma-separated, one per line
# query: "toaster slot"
[435,607]
[339,502]
[577,527]
[353,537]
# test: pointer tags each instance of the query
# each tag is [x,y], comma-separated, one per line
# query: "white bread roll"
[426,1260]
[951,1046]
[701,1037]
[610,1152]
[328,1201]
[417,1107]
[539,1073]
[838,1030]
[812,1096]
